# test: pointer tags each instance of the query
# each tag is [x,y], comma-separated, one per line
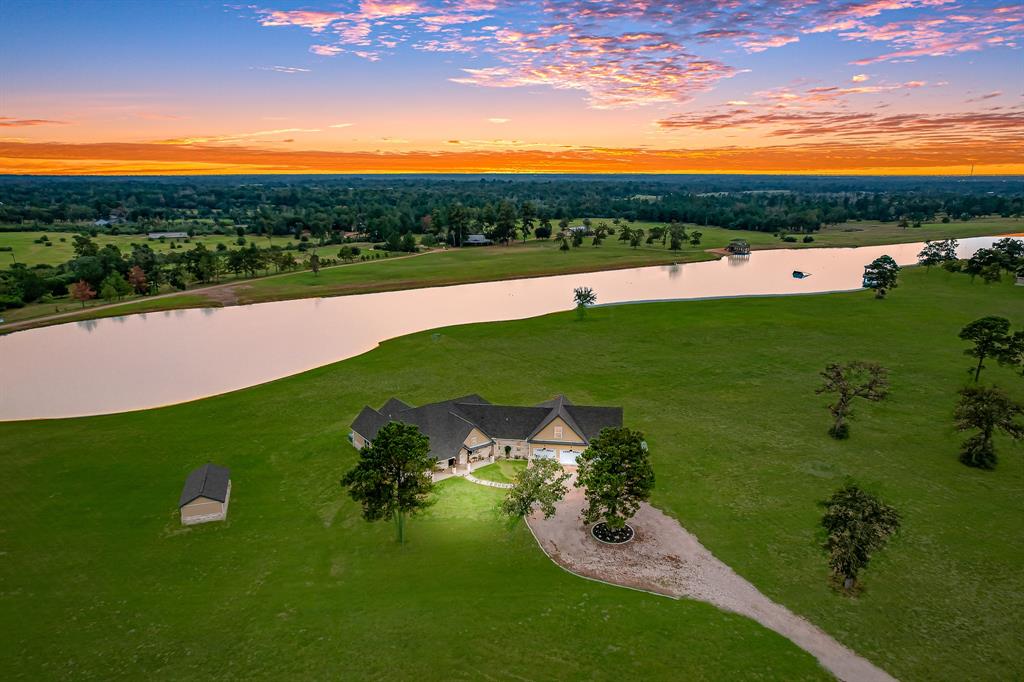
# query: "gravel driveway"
[666,559]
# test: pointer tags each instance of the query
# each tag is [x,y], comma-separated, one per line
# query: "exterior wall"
[202,509]
[357,441]
[520,450]
[476,438]
[548,433]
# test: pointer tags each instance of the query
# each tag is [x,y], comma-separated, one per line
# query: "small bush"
[808,239]
[10,302]
[789,238]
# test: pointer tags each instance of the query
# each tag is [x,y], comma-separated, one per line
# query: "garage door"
[543,453]
[569,456]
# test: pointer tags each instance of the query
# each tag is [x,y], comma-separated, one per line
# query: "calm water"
[139,361]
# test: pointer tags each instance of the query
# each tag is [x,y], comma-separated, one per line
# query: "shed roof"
[209,480]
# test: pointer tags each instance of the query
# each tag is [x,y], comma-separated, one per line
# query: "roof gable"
[209,481]
[558,407]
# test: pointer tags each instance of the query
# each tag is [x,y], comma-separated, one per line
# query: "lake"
[147,360]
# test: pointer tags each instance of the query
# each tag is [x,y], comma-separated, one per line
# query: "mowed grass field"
[537,258]
[28,252]
[501,471]
[100,580]
[534,258]
[862,233]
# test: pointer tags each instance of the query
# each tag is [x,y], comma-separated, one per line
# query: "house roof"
[209,480]
[559,408]
[449,422]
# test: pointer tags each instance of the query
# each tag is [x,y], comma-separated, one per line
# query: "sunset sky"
[870,86]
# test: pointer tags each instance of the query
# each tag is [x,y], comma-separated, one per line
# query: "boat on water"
[798,274]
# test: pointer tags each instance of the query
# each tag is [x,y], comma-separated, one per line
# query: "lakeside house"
[738,247]
[206,495]
[470,429]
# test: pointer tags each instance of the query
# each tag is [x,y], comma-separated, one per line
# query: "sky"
[578,86]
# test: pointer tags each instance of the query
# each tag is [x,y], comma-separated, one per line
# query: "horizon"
[488,87]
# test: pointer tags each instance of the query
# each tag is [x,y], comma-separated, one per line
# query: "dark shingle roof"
[368,422]
[209,481]
[449,422]
[592,419]
[503,421]
[558,408]
[392,407]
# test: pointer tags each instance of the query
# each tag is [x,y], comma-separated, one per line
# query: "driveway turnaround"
[664,558]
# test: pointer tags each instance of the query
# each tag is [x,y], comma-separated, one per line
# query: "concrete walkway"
[665,559]
[479,481]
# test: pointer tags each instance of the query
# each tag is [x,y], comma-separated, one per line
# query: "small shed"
[477,240]
[206,495]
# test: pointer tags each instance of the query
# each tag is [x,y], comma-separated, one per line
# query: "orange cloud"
[7,122]
[122,158]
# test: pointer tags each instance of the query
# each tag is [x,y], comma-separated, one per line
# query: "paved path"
[494,484]
[666,559]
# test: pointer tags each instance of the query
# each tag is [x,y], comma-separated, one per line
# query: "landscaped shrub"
[10,302]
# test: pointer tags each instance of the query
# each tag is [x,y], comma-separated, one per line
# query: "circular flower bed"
[612,536]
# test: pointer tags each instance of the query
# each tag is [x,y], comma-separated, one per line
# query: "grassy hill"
[100,580]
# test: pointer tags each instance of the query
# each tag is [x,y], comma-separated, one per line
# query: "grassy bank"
[460,266]
[101,581]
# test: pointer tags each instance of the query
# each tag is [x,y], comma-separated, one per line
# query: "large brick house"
[470,428]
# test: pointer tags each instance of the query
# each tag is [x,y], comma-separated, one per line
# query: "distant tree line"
[107,272]
[448,208]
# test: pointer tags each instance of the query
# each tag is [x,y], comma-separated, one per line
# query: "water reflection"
[170,358]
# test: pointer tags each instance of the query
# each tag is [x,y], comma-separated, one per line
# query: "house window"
[558,432]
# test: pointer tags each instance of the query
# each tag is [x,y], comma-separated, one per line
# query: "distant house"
[468,429]
[206,495]
[739,247]
[114,219]
[167,235]
[476,240]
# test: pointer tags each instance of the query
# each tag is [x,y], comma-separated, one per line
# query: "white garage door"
[543,453]
[569,456]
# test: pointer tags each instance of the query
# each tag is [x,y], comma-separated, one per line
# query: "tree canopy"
[542,483]
[991,338]
[617,475]
[858,379]
[987,410]
[881,275]
[393,475]
[856,524]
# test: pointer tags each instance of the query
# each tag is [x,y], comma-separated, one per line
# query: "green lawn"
[502,471]
[456,266]
[863,233]
[28,252]
[101,581]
